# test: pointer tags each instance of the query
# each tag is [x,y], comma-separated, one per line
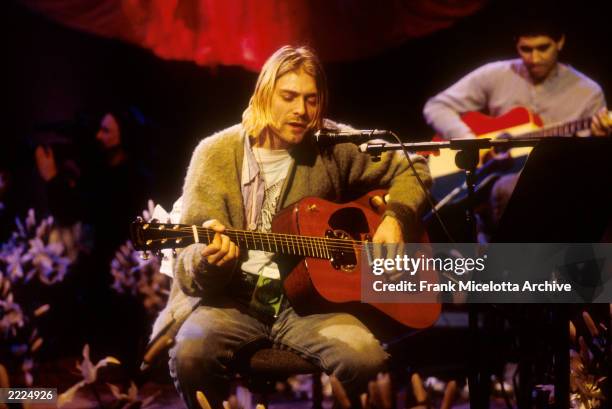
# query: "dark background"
[53,73]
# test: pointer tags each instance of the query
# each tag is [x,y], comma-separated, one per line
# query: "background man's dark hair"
[543,18]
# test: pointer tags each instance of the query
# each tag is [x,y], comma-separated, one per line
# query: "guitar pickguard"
[348,224]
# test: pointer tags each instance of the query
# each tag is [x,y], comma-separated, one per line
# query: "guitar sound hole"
[350,220]
[343,254]
[347,223]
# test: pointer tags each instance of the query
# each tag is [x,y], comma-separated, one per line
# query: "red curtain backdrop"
[246,32]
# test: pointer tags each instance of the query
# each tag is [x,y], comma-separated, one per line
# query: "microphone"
[359,136]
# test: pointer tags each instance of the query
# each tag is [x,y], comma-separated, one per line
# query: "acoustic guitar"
[325,240]
[518,122]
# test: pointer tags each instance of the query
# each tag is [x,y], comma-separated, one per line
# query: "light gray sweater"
[497,87]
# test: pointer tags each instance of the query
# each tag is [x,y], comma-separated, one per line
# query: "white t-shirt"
[274,165]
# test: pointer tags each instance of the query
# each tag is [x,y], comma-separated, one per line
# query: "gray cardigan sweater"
[212,190]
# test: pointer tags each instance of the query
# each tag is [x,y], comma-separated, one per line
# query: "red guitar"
[518,122]
[328,239]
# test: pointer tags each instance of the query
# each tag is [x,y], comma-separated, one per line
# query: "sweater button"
[252,226]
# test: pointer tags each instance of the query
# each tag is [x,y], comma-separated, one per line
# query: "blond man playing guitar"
[242,178]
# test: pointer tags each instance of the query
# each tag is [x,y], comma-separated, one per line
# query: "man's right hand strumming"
[221,251]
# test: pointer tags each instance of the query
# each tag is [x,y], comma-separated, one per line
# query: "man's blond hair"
[286,59]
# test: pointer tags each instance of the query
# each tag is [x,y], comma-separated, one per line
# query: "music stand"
[563,195]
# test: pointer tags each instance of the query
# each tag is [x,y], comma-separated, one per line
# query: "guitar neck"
[157,236]
[565,129]
[306,246]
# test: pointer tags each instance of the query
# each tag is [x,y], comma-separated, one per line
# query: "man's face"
[539,54]
[294,104]
[108,135]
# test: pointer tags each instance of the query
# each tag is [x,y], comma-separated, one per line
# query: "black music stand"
[563,195]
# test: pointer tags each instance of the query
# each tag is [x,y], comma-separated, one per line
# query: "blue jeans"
[209,339]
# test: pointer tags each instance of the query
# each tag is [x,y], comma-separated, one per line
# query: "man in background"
[554,91]
[536,80]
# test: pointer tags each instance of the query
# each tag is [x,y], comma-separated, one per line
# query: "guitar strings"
[356,250]
[260,236]
[286,240]
[321,246]
[559,127]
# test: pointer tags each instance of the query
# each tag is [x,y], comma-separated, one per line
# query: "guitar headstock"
[154,236]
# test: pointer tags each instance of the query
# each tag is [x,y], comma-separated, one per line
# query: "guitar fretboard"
[565,129]
[306,246]
[157,236]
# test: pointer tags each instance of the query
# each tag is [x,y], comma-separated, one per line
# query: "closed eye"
[288,96]
[541,48]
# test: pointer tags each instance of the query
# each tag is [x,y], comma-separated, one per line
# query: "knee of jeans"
[197,364]
[195,355]
[354,349]
[362,363]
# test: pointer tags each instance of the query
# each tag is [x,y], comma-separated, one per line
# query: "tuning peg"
[144,255]
[139,219]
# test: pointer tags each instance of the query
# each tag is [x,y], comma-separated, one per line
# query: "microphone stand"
[467,159]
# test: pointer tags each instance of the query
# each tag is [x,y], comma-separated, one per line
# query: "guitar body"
[316,284]
[517,121]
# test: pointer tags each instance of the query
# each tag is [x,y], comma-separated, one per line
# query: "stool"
[261,368]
